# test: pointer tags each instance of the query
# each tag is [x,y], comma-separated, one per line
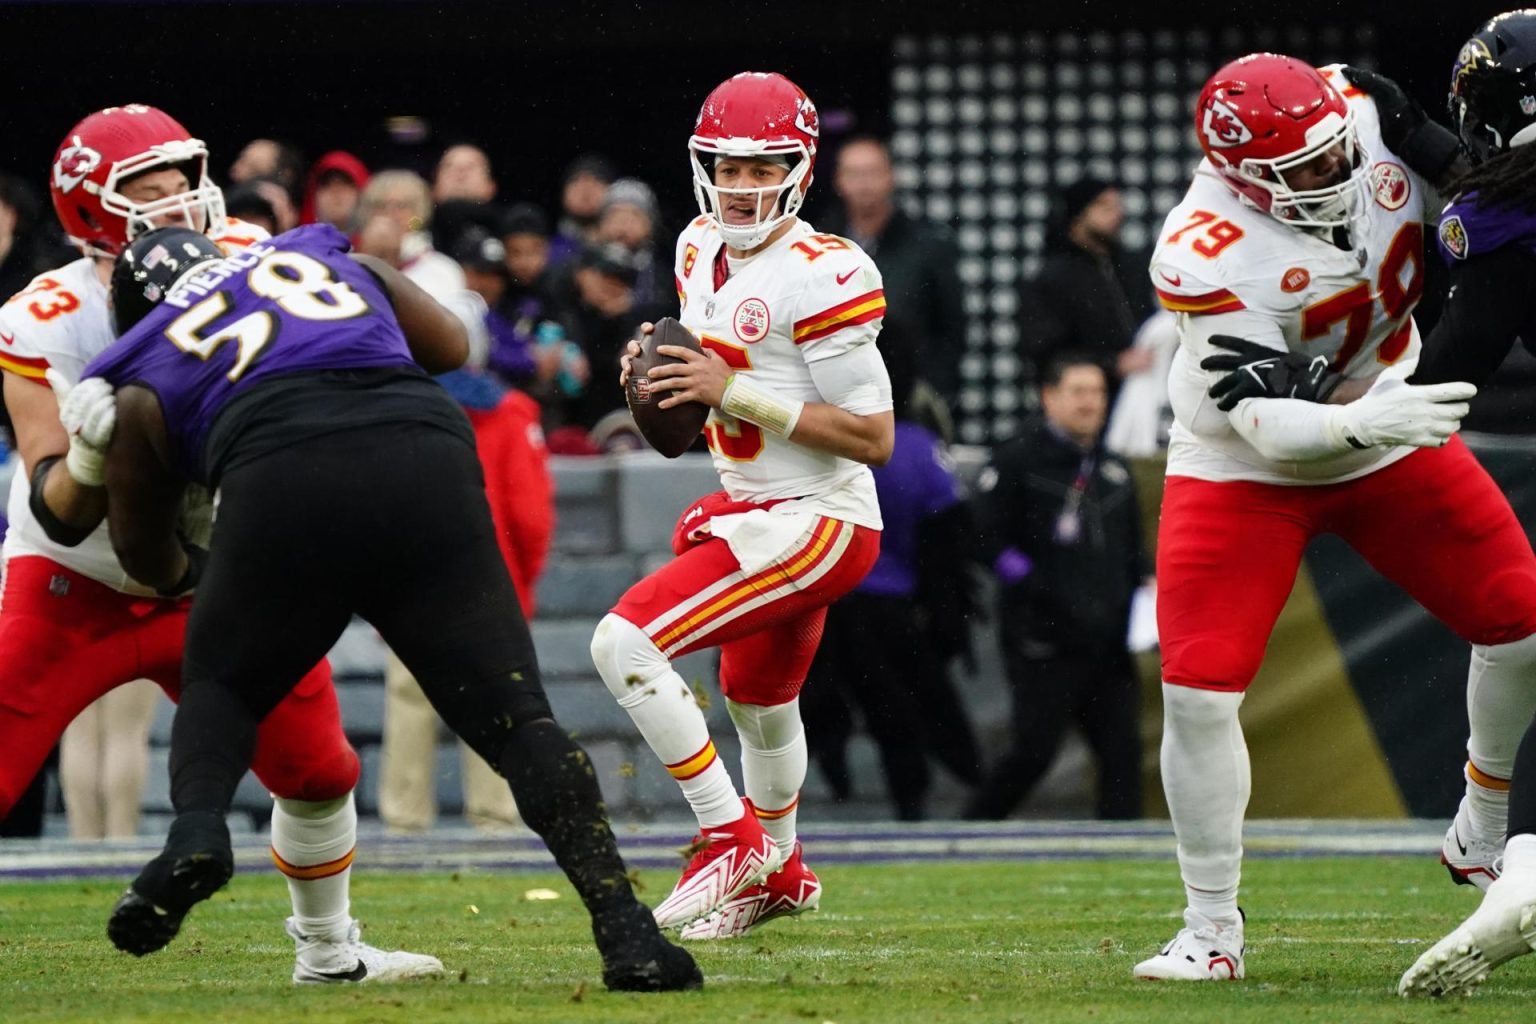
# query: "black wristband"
[197,561]
[58,530]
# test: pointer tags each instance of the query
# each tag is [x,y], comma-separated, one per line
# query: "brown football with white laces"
[670,431]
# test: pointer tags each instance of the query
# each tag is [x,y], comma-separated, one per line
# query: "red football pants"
[1434,523]
[767,624]
[66,639]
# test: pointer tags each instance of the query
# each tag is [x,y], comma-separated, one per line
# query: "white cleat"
[354,961]
[1471,859]
[1500,929]
[1202,951]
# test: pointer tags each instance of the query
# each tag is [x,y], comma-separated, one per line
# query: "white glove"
[88,411]
[1394,412]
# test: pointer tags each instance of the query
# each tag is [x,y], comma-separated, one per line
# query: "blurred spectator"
[104,760]
[333,190]
[29,244]
[463,172]
[270,160]
[520,493]
[1140,421]
[525,236]
[483,258]
[1090,294]
[1061,525]
[395,210]
[529,347]
[877,650]
[602,313]
[581,200]
[917,260]
[402,198]
[462,190]
[628,217]
[263,203]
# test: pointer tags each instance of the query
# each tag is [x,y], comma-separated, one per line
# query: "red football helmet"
[113,145]
[755,114]
[1265,114]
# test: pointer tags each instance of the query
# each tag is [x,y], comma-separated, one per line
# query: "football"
[669,431]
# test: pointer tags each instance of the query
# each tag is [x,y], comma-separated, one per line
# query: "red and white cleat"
[729,859]
[793,889]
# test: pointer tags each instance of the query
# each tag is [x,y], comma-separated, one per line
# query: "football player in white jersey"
[800,408]
[1302,232]
[73,624]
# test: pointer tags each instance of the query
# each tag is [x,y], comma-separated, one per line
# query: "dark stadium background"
[537,83]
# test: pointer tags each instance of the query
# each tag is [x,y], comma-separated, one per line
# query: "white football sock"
[1520,858]
[1501,698]
[773,765]
[313,845]
[1206,780]
[663,708]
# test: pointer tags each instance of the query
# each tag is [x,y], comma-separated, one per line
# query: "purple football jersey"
[294,304]
[1467,229]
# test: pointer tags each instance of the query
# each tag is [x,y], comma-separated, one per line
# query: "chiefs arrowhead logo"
[806,118]
[74,162]
[1390,185]
[1295,279]
[1222,127]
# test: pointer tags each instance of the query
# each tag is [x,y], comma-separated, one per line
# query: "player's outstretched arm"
[145,496]
[1431,149]
[1489,303]
[438,339]
[65,508]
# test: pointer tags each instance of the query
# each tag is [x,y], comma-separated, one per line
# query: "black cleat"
[195,863]
[636,958]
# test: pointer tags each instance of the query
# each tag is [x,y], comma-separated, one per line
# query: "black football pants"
[390,523]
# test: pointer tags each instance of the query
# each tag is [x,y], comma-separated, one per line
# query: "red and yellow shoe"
[730,858]
[793,889]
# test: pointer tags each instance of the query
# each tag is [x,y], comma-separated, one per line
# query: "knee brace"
[625,657]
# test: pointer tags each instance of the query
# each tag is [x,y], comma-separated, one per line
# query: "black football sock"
[559,798]
[213,738]
[1522,786]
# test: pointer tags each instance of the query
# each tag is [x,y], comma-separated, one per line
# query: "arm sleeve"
[1489,302]
[1283,429]
[854,379]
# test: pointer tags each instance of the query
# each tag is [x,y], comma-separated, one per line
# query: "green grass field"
[1033,942]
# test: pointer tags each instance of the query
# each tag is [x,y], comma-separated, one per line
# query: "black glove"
[1429,148]
[1256,371]
[197,561]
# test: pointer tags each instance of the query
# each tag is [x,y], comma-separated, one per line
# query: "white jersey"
[804,298]
[61,321]
[1225,267]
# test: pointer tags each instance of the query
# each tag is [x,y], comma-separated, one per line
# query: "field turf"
[1032,941]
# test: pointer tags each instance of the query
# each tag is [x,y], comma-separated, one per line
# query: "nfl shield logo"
[1528,105]
[58,586]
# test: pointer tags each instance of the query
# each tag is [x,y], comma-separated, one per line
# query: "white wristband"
[747,400]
